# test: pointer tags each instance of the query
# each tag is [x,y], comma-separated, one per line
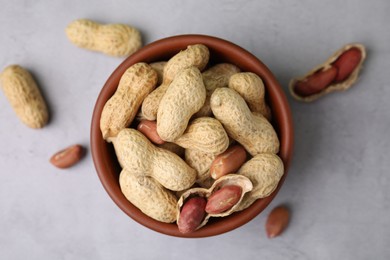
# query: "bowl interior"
[221,50]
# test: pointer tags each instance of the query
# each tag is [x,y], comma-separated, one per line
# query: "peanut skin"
[184,97]
[223,199]
[192,214]
[137,154]
[24,96]
[119,111]
[228,162]
[111,39]
[149,196]
[254,132]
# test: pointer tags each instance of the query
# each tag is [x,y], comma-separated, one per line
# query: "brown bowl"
[103,153]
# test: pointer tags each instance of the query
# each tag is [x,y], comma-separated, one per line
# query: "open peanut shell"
[340,86]
[230,179]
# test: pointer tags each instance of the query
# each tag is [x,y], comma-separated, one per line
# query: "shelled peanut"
[338,73]
[214,116]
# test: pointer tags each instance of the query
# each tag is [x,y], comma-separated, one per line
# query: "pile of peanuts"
[193,139]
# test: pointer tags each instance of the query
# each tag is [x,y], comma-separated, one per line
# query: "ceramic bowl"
[221,50]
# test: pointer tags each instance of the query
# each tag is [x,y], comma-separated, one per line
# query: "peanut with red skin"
[149,129]
[192,214]
[347,63]
[223,199]
[228,162]
[277,221]
[68,156]
[316,82]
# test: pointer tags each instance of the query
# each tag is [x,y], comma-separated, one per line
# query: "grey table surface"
[338,184]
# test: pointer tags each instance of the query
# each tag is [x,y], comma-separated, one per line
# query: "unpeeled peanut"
[159,66]
[265,171]
[137,154]
[184,97]
[205,134]
[215,77]
[196,55]
[112,39]
[119,111]
[149,196]
[228,162]
[24,96]
[251,87]
[200,161]
[254,132]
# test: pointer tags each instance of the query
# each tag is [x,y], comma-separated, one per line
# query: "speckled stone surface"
[338,184]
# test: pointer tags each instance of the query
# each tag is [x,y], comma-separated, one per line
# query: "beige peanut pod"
[137,154]
[159,66]
[112,39]
[251,87]
[119,111]
[200,161]
[345,84]
[215,77]
[231,179]
[184,97]
[24,96]
[254,132]
[265,171]
[196,55]
[205,134]
[149,196]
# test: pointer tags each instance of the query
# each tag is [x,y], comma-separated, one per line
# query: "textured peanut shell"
[341,86]
[159,68]
[24,96]
[184,97]
[215,77]
[265,171]
[137,154]
[200,161]
[205,134]
[119,111]
[149,196]
[251,88]
[195,55]
[111,39]
[230,179]
[252,131]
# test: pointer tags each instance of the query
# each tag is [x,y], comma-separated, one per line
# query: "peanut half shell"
[337,86]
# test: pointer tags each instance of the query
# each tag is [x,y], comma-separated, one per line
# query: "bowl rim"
[102,165]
